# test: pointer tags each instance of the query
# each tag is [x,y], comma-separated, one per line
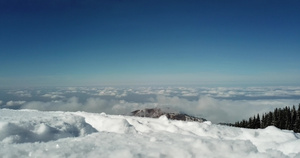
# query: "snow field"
[26,133]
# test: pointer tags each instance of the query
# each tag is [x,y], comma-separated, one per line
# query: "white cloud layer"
[215,110]
[53,96]
[21,93]
[219,104]
[14,103]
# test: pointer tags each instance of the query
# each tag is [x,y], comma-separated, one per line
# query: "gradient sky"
[119,42]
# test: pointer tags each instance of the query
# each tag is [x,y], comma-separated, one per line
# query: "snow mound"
[38,134]
[34,126]
[106,123]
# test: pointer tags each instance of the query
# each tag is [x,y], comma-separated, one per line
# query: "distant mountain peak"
[157,112]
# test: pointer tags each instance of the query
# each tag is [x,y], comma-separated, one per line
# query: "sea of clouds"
[217,104]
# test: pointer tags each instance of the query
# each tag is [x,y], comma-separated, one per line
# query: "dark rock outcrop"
[157,112]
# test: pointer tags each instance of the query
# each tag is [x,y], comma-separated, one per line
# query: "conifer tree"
[288,119]
[285,118]
[249,124]
[297,122]
[275,119]
[293,116]
[281,119]
[270,119]
[257,122]
[263,121]
[244,123]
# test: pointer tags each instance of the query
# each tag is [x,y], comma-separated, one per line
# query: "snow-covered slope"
[26,133]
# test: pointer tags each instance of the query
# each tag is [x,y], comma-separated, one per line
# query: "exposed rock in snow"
[157,112]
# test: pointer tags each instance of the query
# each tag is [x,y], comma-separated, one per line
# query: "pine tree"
[257,122]
[293,117]
[253,122]
[270,119]
[263,121]
[281,119]
[288,119]
[297,122]
[250,123]
[244,124]
[275,118]
[266,121]
[285,118]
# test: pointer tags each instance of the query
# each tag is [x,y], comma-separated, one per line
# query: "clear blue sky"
[120,42]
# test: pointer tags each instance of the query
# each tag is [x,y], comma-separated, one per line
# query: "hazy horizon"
[216,104]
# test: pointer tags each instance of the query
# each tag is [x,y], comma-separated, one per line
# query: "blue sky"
[72,42]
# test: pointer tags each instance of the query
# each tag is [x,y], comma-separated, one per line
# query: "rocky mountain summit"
[157,112]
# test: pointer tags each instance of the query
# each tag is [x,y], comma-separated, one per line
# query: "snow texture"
[29,133]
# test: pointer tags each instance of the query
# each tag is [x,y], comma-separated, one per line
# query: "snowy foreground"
[28,133]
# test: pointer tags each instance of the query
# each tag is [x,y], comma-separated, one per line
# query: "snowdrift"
[28,133]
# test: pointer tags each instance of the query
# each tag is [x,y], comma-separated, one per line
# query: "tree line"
[285,118]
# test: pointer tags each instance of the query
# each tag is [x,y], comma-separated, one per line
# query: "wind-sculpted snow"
[26,133]
[34,126]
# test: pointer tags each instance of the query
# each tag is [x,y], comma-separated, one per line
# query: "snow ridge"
[82,134]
